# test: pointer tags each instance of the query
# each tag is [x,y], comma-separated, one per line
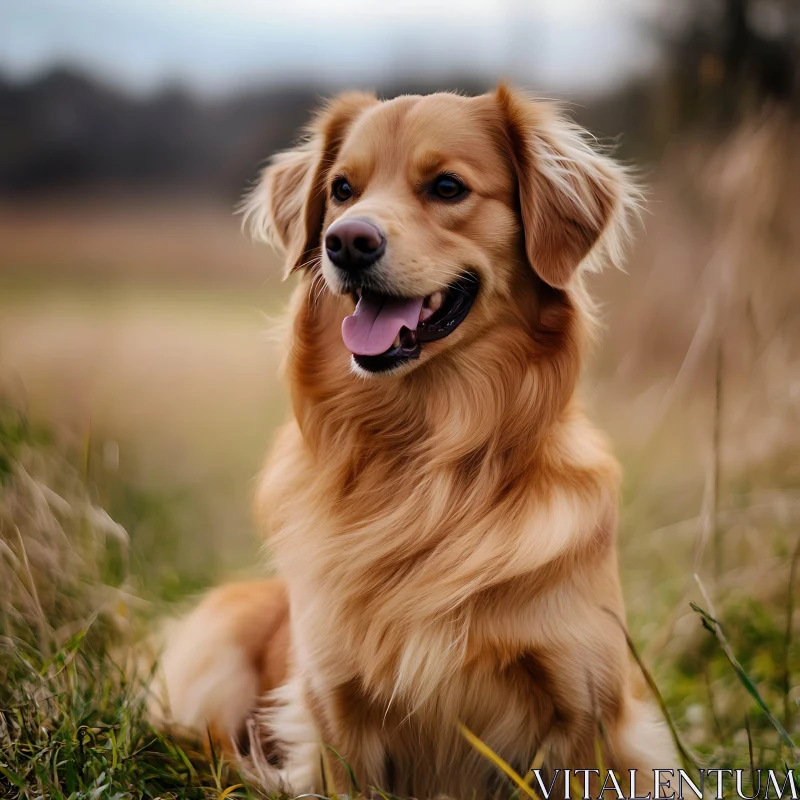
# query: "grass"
[72,719]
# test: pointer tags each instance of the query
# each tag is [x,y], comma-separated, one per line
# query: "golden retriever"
[441,513]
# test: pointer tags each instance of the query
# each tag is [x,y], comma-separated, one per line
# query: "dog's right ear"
[286,208]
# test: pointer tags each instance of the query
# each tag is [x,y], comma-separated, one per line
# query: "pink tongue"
[376,322]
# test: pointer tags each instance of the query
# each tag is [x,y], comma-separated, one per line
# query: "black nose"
[354,244]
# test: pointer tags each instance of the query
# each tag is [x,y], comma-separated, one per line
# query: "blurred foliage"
[720,60]
[726,57]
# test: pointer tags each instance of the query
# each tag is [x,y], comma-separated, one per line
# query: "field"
[140,392]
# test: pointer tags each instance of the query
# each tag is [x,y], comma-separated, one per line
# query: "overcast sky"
[216,45]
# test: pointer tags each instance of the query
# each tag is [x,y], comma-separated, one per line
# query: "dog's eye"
[341,190]
[448,187]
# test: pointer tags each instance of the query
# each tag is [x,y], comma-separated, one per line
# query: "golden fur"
[446,533]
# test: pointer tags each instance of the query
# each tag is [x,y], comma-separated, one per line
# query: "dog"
[441,513]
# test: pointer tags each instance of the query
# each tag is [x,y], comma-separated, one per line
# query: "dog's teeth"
[396,342]
[425,313]
[435,301]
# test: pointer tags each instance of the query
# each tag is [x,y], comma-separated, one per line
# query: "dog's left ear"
[573,201]
[287,206]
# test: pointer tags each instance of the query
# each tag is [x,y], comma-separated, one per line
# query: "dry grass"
[72,720]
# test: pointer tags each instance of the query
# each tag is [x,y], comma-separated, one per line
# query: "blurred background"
[134,314]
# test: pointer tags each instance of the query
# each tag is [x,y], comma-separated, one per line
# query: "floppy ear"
[573,201]
[287,206]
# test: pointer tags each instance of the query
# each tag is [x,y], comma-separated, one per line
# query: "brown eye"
[447,187]
[341,190]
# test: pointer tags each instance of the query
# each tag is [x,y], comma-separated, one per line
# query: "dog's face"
[430,211]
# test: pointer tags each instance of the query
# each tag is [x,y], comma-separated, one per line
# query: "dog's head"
[436,213]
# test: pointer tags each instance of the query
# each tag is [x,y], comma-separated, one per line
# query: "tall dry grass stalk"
[63,560]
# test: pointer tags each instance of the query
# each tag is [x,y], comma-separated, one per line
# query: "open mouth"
[385,331]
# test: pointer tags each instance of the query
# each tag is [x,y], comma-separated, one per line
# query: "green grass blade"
[714,626]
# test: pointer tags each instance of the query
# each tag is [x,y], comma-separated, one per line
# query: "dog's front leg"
[289,723]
